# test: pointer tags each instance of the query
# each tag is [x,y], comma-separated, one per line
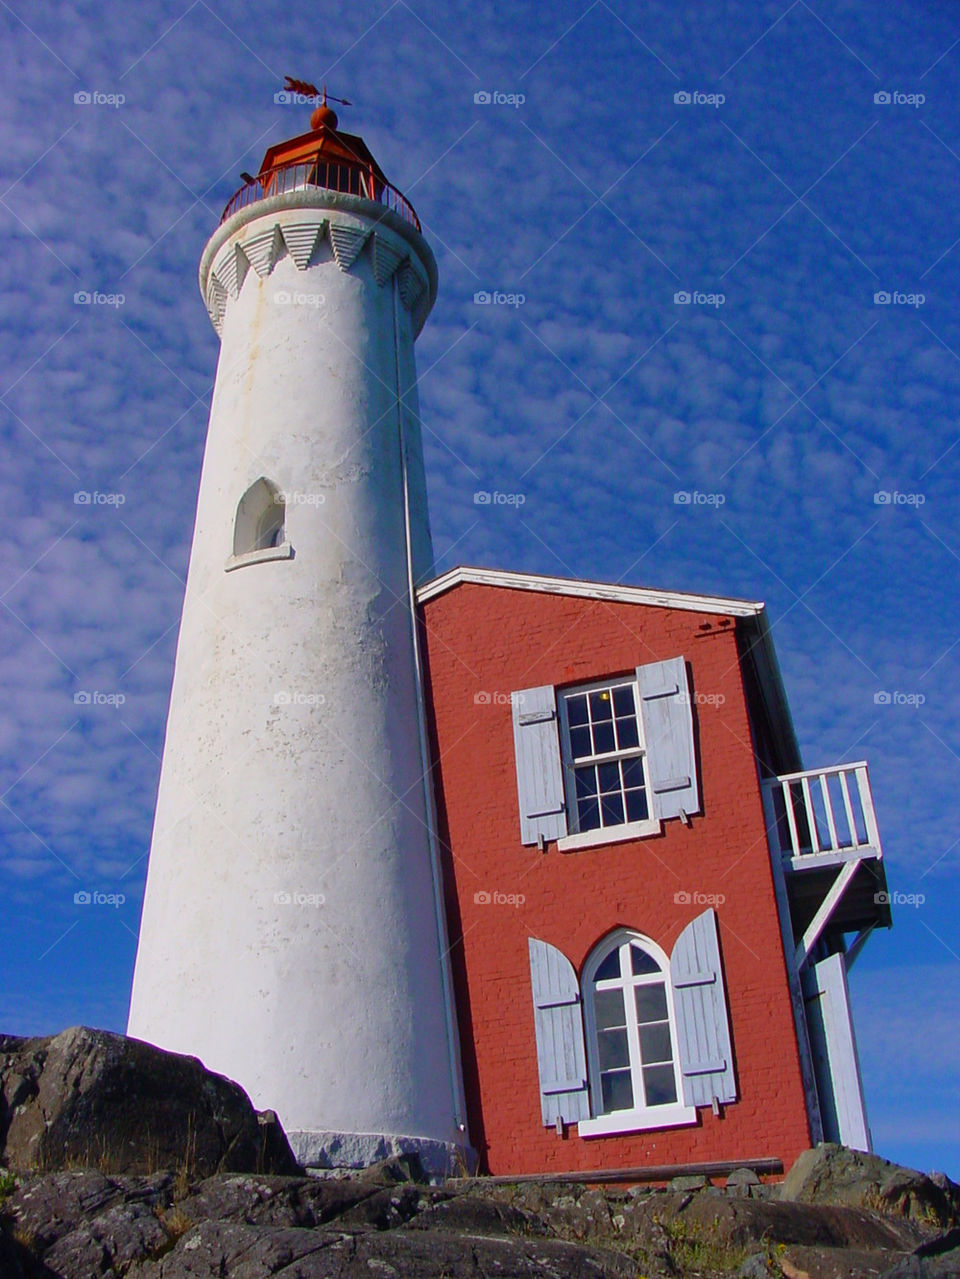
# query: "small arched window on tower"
[259,531]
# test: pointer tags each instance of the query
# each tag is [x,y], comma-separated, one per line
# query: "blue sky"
[797,400]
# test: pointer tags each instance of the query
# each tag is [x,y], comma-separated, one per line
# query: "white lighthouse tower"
[293,934]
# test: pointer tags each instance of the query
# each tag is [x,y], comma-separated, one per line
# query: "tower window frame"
[259,528]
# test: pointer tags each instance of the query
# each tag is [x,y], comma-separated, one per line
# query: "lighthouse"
[293,933]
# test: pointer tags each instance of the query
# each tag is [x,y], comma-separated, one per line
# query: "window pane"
[603,738]
[608,776]
[586,779]
[611,807]
[614,1049]
[633,773]
[659,1085]
[580,742]
[623,703]
[651,1003]
[617,1091]
[637,810]
[588,814]
[642,963]
[655,1043]
[627,735]
[610,967]
[608,1005]
[601,706]
[577,709]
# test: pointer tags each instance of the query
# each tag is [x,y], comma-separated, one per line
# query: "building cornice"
[588,590]
[295,224]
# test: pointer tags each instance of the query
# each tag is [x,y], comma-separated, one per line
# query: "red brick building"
[651,906]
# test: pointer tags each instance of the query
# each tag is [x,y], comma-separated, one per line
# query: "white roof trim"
[589,590]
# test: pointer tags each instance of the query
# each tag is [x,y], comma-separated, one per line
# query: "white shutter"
[665,706]
[835,1053]
[703,1032]
[539,772]
[561,1058]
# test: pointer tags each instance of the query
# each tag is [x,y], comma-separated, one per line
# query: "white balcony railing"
[822,811]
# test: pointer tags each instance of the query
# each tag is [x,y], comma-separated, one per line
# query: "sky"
[791,168]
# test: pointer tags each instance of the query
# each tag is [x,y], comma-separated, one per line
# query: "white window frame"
[672,1115]
[603,834]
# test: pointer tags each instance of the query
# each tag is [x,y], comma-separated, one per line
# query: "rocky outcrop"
[92,1099]
[831,1174]
[125,1162]
[384,1222]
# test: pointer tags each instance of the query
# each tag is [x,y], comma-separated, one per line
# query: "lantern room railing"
[350,179]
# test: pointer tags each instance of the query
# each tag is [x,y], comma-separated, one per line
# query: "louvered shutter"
[539,772]
[561,1058]
[665,706]
[703,1032]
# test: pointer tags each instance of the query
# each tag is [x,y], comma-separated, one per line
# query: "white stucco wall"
[292,757]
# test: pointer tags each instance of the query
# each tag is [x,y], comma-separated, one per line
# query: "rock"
[696,1182]
[831,1174]
[110,1243]
[90,1098]
[45,1208]
[256,1226]
[758,1266]
[477,1217]
[405,1167]
[937,1259]
[741,1180]
[378,1223]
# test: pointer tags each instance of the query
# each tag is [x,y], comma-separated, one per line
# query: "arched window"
[630,1024]
[260,519]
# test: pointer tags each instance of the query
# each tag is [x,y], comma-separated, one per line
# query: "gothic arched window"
[259,530]
[630,1025]
[260,518]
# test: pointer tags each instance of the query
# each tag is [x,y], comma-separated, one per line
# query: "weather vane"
[311,91]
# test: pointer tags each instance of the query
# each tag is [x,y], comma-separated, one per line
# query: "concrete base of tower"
[330,1150]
